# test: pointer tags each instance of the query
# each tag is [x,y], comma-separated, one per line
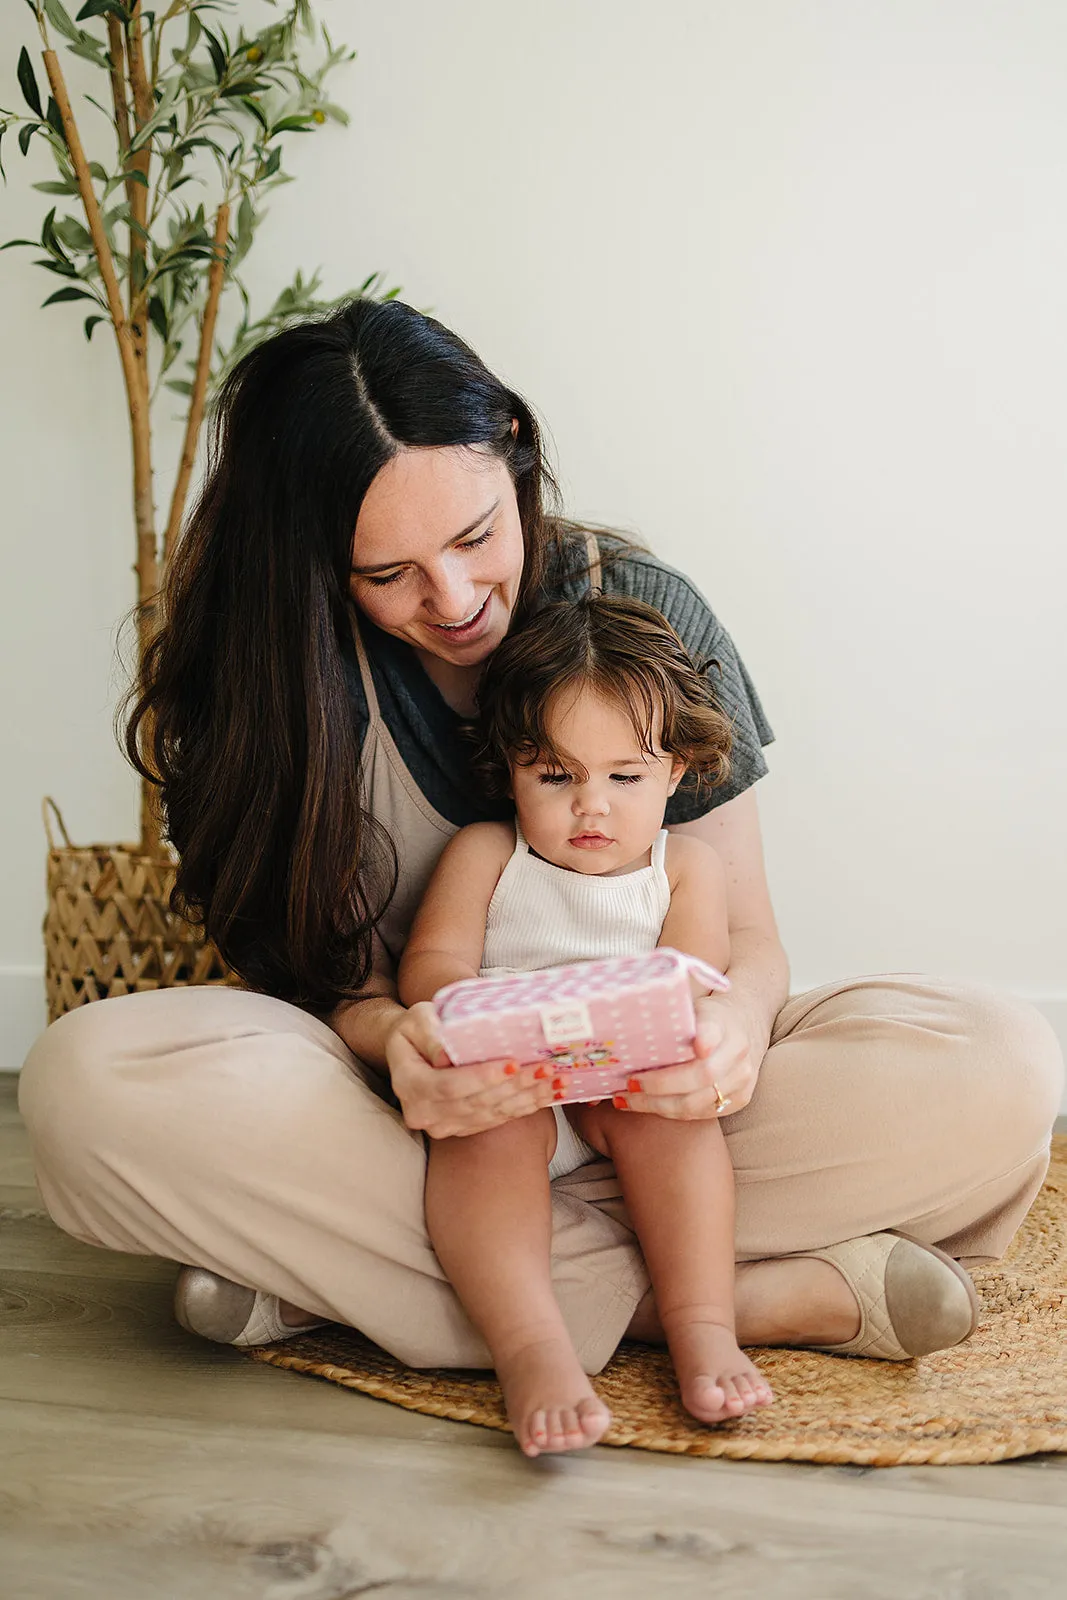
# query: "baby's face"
[600,812]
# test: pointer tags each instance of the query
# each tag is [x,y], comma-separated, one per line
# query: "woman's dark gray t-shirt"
[429,734]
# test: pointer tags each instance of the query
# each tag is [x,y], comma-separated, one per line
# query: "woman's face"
[437,554]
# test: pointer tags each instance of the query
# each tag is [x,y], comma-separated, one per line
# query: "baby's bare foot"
[551,1404]
[717,1381]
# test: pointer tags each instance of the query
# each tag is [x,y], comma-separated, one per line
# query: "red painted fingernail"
[620,1102]
[557,1083]
[634,1085]
[542,1072]
[510,1069]
[557,1096]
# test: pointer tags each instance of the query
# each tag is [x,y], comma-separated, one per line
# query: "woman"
[372,524]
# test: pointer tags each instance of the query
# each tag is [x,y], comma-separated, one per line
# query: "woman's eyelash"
[471,544]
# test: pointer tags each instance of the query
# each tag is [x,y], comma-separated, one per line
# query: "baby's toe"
[557,1429]
[733,1397]
[706,1399]
[534,1438]
[594,1419]
[745,1389]
[571,1426]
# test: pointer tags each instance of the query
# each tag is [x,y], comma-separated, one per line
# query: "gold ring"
[721,1101]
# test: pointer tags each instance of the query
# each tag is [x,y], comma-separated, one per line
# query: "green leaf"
[99,173]
[50,186]
[217,54]
[54,119]
[3,174]
[292,125]
[256,111]
[97,8]
[179,386]
[88,49]
[64,268]
[73,234]
[274,162]
[90,324]
[157,316]
[60,20]
[11,243]
[67,294]
[26,133]
[28,83]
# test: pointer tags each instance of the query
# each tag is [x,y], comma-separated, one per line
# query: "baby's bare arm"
[448,933]
[696,921]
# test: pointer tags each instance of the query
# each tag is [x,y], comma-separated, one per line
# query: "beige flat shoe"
[913,1298]
[214,1308]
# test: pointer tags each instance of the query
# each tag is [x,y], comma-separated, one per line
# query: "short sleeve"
[641,575]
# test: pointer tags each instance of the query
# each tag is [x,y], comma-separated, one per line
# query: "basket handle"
[49,805]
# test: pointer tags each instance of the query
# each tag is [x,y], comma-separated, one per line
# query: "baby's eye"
[626,777]
[554,778]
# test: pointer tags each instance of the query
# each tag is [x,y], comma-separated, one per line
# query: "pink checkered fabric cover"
[594,1023]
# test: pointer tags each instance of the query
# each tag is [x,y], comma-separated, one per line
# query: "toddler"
[590,718]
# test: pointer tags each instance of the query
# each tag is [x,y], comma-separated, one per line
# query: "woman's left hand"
[725,1069]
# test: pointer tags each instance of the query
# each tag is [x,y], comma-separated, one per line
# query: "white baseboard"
[22,1014]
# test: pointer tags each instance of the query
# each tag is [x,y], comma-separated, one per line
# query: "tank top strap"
[365,675]
[659,851]
[522,848]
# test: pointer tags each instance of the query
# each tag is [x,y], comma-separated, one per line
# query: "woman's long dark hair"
[242,715]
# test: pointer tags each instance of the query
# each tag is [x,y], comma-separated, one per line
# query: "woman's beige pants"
[235,1132]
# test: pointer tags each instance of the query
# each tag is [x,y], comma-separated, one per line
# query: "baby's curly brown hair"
[627,652]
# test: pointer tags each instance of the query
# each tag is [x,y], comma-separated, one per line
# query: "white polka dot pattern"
[632,1012]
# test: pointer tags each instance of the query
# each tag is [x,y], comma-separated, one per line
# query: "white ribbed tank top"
[542,915]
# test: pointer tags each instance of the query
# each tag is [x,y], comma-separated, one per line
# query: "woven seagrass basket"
[109,928]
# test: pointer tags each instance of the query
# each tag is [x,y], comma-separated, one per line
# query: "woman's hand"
[461,1100]
[726,1058]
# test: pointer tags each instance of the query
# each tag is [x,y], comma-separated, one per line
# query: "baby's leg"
[679,1189]
[489,1214]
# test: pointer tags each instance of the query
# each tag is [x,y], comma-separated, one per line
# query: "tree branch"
[93,217]
[143,107]
[216,278]
[136,398]
[116,56]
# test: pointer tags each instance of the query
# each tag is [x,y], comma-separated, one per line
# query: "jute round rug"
[1001,1394]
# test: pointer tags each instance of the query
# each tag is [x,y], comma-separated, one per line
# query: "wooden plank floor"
[137,1462]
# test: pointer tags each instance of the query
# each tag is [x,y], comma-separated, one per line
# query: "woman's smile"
[468,627]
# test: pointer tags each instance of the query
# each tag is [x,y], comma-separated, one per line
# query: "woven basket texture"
[1001,1394]
[109,929]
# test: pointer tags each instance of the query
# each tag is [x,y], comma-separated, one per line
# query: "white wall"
[787,282]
